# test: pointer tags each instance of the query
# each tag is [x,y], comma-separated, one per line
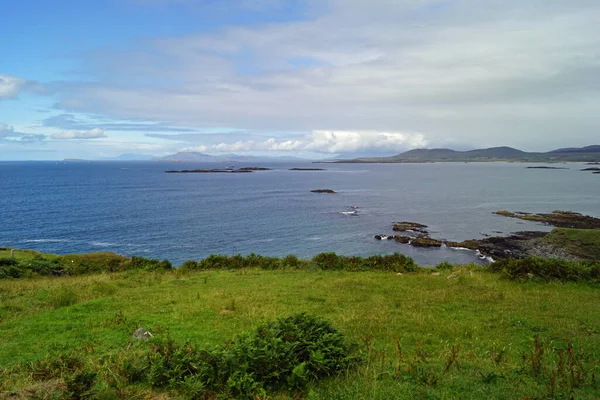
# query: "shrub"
[189,265]
[289,353]
[393,262]
[546,269]
[285,354]
[444,266]
[7,262]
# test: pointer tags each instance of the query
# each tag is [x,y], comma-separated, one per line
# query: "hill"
[503,153]
[192,156]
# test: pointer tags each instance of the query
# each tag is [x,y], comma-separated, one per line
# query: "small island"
[219,170]
[329,191]
[546,167]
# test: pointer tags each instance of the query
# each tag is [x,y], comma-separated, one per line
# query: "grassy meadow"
[454,332]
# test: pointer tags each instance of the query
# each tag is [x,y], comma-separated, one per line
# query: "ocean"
[135,208]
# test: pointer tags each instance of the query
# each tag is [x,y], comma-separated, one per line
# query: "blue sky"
[83,79]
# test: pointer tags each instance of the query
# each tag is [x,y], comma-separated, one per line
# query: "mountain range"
[189,156]
[573,154]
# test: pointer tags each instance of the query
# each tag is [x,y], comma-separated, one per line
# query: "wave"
[484,257]
[46,240]
[349,212]
[102,244]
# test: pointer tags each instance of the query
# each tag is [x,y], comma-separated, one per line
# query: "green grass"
[583,243]
[22,255]
[409,325]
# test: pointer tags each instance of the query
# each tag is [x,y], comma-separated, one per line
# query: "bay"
[134,208]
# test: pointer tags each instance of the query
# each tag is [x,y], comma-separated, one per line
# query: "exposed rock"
[383,237]
[307,169]
[546,167]
[423,241]
[254,169]
[435,274]
[406,226]
[330,191]
[208,171]
[402,239]
[591,169]
[465,244]
[562,219]
[142,334]
[451,276]
[530,275]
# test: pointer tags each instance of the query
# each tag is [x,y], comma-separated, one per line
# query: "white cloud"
[329,142]
[72,134]
[6,130]
[464,71]
[11,86]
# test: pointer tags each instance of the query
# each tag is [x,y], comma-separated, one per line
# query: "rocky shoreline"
[516,245]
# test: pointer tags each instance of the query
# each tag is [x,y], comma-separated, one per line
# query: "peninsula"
[588,154]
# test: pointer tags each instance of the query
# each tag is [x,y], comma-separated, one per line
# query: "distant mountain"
[573,150]
[586,154]
[130,157]
[191,156]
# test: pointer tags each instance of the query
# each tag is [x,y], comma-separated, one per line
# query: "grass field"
[584,243]
[422,335]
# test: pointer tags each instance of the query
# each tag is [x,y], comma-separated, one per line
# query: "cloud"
[459,71]
[33,137]
[6,130]
[95,133]
[8,135]
[70,122]
[12,86]
[329,142]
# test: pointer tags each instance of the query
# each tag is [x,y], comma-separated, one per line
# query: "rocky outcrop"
[254,169]
[425,241]
[406,226]
[208,171]
[561,219]
[383,237]
[546,167]
[591,169]
[307,169]
[329,191]
[402,239]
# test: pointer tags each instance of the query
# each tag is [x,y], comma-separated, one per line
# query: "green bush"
[393,262]
[546,269]
[7,262]
[283,355]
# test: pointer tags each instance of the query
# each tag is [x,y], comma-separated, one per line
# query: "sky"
[313,78]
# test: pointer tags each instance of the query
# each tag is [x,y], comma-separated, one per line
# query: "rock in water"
[142,334]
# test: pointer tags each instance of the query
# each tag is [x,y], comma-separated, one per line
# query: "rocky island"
[307,169]
[219,170]
[546,167]
[329,191]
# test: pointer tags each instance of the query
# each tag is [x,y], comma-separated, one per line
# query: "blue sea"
[135,208]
